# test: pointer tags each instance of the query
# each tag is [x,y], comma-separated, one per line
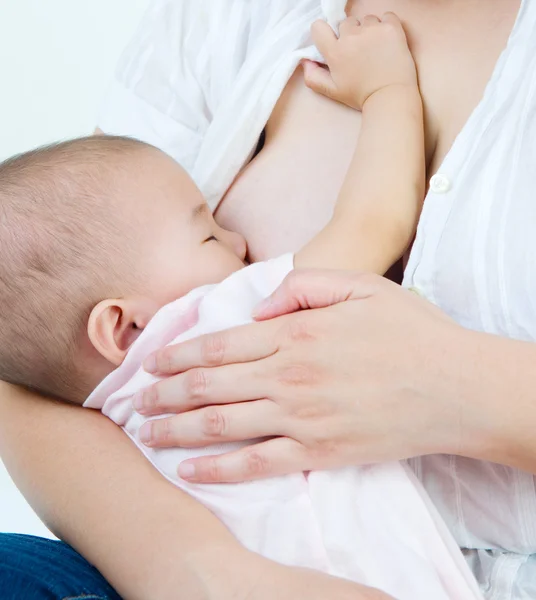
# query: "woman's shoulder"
[203,43]
[186,60]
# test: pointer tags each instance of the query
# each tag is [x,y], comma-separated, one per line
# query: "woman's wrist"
[491,384]
[452,386]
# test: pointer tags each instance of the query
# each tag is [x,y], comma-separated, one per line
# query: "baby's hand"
[366,58]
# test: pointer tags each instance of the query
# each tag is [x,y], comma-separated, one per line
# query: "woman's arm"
[96,491]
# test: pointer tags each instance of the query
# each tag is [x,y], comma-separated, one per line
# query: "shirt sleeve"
[160,90]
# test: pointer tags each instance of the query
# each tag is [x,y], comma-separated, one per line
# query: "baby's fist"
[366,58]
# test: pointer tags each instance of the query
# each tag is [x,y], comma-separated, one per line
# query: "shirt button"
[440,184]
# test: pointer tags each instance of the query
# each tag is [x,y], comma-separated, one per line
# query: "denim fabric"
[33,568]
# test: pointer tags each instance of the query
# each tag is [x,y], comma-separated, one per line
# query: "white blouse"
[183,87]
[201,79]
[474,257]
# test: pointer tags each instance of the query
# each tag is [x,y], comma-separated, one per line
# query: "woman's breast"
[287,193]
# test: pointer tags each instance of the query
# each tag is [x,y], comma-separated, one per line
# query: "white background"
[56,59]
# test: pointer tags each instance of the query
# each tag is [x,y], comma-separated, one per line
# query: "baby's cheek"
[216,266]
[228,264]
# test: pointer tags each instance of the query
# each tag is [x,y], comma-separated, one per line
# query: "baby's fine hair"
[60,254]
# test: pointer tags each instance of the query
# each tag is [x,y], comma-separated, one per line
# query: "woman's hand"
[372,377]
[160,545]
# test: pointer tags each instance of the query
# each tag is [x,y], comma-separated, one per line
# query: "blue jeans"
[33,568]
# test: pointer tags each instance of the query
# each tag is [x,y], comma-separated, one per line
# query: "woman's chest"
[456,45]
[476,242]
[474,255]
[286,194]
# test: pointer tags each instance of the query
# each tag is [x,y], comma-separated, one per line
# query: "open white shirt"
[200,80]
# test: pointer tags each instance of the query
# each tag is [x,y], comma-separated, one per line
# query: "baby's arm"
[374,221]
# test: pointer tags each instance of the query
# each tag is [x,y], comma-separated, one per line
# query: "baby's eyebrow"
[199,211]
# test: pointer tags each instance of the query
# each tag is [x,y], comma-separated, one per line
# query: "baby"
[100,236]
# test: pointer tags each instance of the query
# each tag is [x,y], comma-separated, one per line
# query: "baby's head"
[96,235]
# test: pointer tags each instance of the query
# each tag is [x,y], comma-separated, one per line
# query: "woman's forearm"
[495,386]
[95,490]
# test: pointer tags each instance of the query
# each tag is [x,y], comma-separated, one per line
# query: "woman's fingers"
[202,387]
[215,424]
[305,289]
[278,456]
[242,344]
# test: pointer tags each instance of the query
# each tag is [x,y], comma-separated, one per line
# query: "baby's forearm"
[379,204]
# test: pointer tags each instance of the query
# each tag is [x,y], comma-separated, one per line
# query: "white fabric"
[205,101]
[474,258]
[369,524]
[184,87]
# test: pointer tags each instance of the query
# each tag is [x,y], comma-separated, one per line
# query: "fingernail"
[149,364]
[146,434]
[138,402]
[186,470]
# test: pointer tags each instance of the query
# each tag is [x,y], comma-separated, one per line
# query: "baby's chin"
[219,271]
[212,272]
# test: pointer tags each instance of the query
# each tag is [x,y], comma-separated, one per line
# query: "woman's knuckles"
[256,464]
[196,385]
[324,455]
[214,424]
[247,465]
[214,349]
[312,410]
[299,328]
[298,375]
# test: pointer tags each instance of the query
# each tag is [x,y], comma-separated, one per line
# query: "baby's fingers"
[319,79]
[394,21]
[349,26]
[324,38]
[392,18]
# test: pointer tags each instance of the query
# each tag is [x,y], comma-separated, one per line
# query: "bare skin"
[320,148]
[318,136]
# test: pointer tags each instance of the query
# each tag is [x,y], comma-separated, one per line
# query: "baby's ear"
[114,325]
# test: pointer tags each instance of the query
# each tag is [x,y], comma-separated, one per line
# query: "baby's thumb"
[319,79]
